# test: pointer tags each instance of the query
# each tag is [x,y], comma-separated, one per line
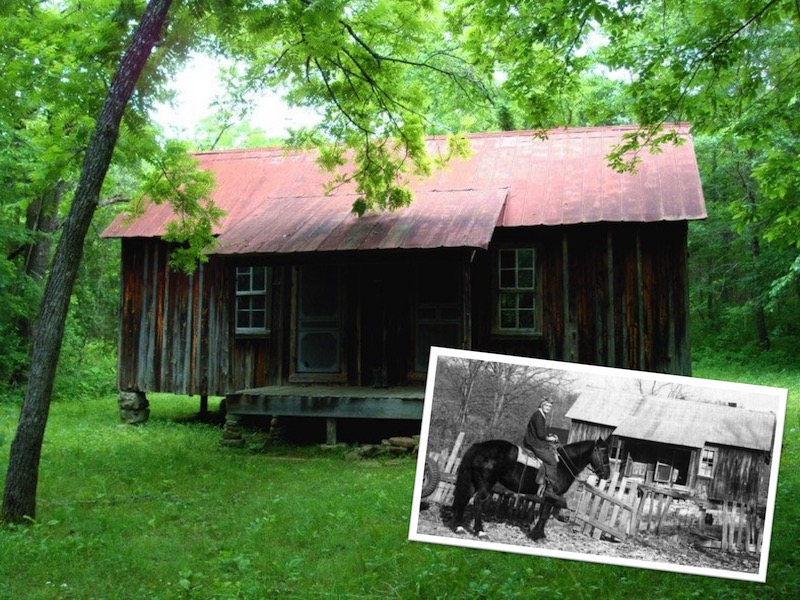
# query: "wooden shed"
[531,246]
[716,451]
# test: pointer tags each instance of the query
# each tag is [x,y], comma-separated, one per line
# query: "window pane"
[242,279]
[525,278]
[508,279]
[259,279]
[508,300]
[526,300]
[258,302]
[258,319]
[525,258]
[508,319]
[508,259]
[526,319]
[252,302]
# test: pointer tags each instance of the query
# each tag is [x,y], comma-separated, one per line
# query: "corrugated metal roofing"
[680,422]
[274,200]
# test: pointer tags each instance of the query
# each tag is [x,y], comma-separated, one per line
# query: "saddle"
[528,458]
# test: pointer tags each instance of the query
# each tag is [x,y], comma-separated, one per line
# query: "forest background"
[371,70]
[730,69]
[376,70]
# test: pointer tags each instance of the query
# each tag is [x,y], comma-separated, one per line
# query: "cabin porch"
[331,402]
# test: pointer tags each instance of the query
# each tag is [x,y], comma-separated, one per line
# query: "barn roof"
[679,422]
[274,199]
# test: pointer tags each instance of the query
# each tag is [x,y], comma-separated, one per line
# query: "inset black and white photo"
[598,464]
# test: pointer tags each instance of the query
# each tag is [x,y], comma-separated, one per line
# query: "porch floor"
[330,401]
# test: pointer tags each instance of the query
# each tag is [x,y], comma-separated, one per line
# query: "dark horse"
[495,461]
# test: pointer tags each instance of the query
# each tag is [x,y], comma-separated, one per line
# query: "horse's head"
[600,462]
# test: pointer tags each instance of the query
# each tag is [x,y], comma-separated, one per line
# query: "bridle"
[606,462]
[574,470]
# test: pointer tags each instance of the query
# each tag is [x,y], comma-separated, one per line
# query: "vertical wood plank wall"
[612,294]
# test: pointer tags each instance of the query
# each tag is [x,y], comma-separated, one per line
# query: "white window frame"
[518,284]
[247,294]
[705,467]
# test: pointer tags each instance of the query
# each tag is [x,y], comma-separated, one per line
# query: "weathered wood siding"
[612,294]
[739,475]
[175,328]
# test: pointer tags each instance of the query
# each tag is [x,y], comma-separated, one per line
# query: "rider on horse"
[541,443]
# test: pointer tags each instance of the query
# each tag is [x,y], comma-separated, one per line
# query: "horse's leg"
[461,496]
[481,497]
[537,533]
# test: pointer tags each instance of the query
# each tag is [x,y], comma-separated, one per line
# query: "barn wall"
[612,294]
[168,320]
[177,334]
[738,475]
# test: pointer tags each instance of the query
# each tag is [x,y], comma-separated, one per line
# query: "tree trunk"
[19,497]
[41,222]
[760,314]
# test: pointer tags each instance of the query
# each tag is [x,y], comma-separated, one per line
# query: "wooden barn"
[531,246]
[715,451]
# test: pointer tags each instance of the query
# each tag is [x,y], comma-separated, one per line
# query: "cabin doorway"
[657,463]
[318,325]
[438,313]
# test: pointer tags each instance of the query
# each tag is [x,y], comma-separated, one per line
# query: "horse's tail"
[465,488]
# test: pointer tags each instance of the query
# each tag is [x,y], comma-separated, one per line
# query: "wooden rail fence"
[607,507]
[619,507]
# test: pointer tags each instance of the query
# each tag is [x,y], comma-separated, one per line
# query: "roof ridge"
[549,132]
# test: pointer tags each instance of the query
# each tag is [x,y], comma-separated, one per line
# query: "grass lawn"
[163,511]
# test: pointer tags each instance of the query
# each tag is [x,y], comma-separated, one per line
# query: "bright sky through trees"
[197,87]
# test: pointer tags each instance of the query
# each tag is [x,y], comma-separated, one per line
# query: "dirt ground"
[675,545]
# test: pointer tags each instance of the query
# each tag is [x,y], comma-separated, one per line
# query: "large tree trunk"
[19,498]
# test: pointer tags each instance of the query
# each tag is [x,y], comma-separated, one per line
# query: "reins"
[572,470]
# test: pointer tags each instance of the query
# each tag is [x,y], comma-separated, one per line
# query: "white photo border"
[780,394]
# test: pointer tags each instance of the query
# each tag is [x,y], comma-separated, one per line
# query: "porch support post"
[466,306]
[330,432]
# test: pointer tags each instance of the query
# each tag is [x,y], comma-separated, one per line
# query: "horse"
[495,461]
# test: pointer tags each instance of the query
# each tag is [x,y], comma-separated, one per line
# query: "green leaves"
[175,179]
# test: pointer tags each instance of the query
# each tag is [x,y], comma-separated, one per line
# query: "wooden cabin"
[715,451]
[532,247]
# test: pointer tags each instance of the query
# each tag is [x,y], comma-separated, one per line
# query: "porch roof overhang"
[457,219]
[662,432]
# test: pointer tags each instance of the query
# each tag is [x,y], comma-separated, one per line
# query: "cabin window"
[517,303]
[318,320]
[707,459]
[252,300]
[438,312]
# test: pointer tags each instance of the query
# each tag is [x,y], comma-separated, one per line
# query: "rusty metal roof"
[275,200]
[678,422]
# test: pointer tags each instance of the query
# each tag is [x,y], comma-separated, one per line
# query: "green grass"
[163,511]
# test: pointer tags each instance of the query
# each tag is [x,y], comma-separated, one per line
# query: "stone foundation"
[133,407]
